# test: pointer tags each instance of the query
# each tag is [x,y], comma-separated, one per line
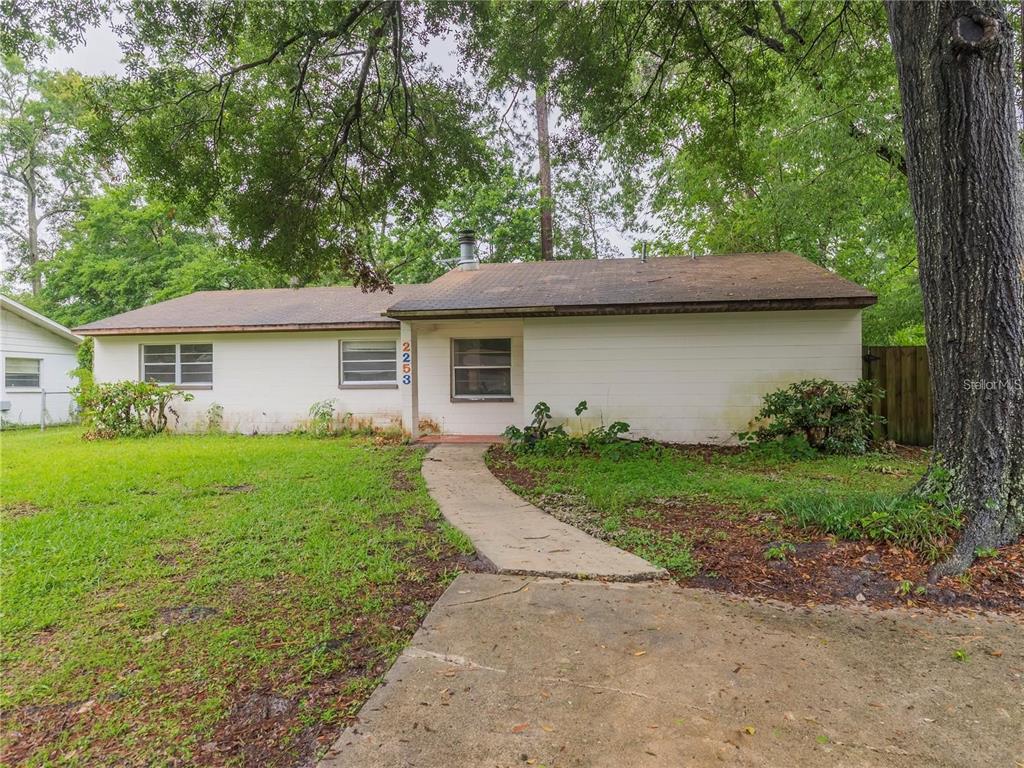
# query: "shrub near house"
[127,408]
[819,414]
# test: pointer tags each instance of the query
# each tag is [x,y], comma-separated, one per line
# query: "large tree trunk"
[955,64]
[547,200]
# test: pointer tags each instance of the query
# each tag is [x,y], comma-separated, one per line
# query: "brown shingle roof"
[741,281]
[265,309]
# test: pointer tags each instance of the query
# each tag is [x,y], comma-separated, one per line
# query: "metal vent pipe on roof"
[467,250]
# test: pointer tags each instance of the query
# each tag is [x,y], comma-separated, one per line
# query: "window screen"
[21,372]
[481,368]
[185,364]
[369,362]
[196,363]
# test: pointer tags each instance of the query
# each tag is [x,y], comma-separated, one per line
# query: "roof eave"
[846,302]
[40,321]
[180,329]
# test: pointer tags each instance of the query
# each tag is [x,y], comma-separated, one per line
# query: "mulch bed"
[730,545]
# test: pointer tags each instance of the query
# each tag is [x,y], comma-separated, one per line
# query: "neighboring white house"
[38,356]
[682,349]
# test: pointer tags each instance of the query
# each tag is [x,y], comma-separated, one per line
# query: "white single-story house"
[38,356]
[682,349]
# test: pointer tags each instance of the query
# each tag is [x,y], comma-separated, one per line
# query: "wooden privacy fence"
[907,405]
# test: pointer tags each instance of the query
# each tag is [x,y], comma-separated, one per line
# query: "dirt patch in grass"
[184,614]
[757,553]
[225,490]
[16,509]
[401,481]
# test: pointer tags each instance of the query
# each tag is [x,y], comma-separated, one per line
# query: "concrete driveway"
[527,670]
[513,671]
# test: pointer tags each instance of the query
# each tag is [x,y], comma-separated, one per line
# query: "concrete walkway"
[512,534]
[513,671]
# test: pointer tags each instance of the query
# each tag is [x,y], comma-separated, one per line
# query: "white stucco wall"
[433,370]
[21,338]
[683,378]
[265,382]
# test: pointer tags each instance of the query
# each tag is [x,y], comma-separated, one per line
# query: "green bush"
[828,416]
[541,436]
[127,408]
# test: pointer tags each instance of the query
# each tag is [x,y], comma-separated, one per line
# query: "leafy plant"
[127,408]
[831,417]
[961,655]
[541,436]
[985,553]
[780,551]
[321,418]
[214,418]
[537,431]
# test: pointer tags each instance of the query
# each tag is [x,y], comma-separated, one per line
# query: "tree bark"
[547,200]
[955,63]
[32,222]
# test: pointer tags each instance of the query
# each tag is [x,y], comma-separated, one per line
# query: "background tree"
[44,170]
[502,209]
[121,252]
[513,50]
[303,124]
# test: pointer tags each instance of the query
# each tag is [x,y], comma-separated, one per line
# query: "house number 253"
[406,362]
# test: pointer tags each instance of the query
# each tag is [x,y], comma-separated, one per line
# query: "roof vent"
[467,250]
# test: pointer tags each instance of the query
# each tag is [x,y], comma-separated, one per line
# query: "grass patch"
[671,552]
[457,539]
[744,479]
[158,585]
[892,518]
[853,497]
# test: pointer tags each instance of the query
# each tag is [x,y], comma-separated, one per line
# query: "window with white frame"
[369,363]
[481,369]
[181,364]
[21,372]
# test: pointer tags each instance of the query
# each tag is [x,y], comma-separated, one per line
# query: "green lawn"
[618,494]
[205,600]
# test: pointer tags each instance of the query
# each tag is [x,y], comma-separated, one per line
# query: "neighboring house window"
[182,364]
[481,368]
[369,363]
[21,372]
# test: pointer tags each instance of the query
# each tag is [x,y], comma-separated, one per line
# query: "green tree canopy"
[302,124]
[122,252]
